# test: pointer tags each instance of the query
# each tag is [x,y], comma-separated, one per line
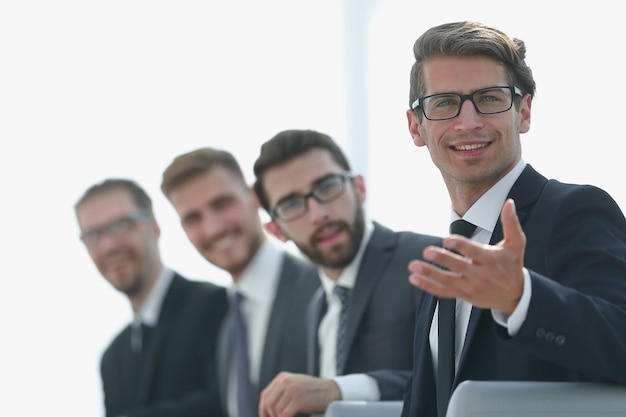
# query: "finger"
[450,258]
[514,237]
[433,279]
[270,397]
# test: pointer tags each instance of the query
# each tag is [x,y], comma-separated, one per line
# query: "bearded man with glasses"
[361,320]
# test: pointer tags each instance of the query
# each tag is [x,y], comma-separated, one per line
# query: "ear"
[414,128]
[524,111]
[359,186]
[155,228]
[254,198]
[273,229]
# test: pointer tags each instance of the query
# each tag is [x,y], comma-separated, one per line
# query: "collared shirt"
[354,386]
[151,308]
[257,284]
[148,313]
[484,213]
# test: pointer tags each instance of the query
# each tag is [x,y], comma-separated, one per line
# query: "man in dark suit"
[163,364]
[220,215]
[305,183]
[541,290]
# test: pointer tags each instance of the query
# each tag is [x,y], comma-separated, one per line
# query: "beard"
[338,256]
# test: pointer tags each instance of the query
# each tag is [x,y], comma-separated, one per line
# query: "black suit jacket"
[575,328]
[179,374]
[381,318]
[285,338]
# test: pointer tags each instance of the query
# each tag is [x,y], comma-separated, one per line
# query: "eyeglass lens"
[324,192]
[486,101]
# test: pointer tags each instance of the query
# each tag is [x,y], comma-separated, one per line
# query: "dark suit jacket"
[285,339]
[381,318]
[575,329]
[178,378]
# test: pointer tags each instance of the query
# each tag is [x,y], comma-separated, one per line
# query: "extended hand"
[484,275]
[289,394]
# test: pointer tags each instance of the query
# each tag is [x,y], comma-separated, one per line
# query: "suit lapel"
[165,324]
[375,260]
[275,327]
[225,350]
[315,312]
[423,379]
[525,192]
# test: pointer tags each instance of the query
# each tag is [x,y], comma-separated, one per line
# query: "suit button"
[540,333]
[559,340]
[549,337]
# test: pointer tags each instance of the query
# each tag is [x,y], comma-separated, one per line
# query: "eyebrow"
[314,184]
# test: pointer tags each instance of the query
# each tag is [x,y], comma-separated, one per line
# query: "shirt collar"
[485,212]
[259,279]
[151,308]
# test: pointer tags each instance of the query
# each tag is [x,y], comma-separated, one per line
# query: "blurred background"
[96,89]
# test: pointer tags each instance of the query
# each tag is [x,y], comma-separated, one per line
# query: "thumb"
[514,236]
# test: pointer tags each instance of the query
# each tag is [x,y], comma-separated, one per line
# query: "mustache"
[337,224]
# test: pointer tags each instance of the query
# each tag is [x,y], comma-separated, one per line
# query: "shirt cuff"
[358,387]
[514,322]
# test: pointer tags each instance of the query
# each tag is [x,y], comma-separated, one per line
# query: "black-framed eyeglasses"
[325,191]
[115,229]
[491,100]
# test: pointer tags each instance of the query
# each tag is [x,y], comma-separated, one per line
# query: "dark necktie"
[343,293]
[446,353]
[241,359]
[140,336]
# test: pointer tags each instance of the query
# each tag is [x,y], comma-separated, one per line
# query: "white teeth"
[470,147]
[224,242]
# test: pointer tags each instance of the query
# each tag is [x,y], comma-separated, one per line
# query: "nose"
[468,117]
[107,241]
[316,211]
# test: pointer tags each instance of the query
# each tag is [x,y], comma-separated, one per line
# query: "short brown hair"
[139,195]
[199,161]
[467,39]
[287,145]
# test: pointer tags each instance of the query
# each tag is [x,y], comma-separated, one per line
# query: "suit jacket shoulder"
[179,363]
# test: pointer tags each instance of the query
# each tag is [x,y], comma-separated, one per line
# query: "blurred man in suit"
[361,320]
[163,363]
[220,215]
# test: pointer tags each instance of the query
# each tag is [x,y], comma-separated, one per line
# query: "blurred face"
[472,150]
[328,233]
[122,241]
[220,217]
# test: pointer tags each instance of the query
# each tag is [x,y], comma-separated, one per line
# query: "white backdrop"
[93,89]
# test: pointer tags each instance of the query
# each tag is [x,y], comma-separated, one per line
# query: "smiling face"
[220,217]
[473,151]
[329,233]
[128,258]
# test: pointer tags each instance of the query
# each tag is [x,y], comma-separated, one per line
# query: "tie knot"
[343,293]
[237,301]
[462,227]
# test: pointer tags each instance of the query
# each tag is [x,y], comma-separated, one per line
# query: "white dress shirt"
[484,213]
[150,309]
[355,386]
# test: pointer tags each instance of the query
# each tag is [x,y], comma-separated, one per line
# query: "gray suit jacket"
[381,319]
[285,340]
